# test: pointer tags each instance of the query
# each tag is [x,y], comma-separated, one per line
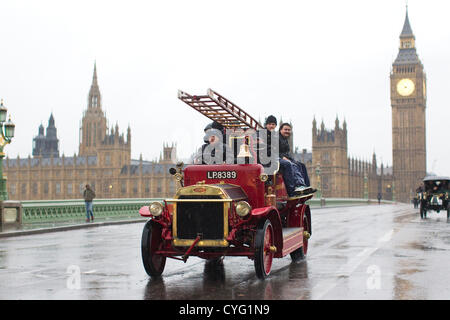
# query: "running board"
[292,240]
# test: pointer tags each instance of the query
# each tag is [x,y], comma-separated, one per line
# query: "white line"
[322,288]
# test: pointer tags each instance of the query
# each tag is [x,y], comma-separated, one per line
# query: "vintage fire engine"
[226,209]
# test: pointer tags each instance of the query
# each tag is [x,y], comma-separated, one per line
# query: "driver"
[214,151]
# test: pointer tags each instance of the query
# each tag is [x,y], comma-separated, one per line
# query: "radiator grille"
[204,218]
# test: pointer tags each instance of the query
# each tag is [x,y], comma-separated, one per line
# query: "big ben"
[408,101]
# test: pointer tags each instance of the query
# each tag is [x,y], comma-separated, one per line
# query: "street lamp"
[366,187]
[319,189]
[6,135]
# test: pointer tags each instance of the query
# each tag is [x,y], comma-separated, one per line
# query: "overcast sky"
[295,59]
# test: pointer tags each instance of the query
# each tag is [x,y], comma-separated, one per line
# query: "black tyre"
[264,253]
[151,242]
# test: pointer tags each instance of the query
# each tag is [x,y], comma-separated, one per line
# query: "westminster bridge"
[359,250]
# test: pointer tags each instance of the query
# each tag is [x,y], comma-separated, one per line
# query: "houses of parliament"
[103,161]
[104,157]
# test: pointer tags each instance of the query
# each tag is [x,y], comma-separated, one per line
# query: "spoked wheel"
[151,242]
[265,250]
[301,252]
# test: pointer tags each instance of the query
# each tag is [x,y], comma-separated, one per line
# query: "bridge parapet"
[74,209]
[68,210]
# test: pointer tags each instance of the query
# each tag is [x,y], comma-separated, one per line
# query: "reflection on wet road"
[364,252]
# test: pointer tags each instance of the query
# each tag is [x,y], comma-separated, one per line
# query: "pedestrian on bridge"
[89,196]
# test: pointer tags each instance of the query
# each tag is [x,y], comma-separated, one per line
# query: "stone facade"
[104,161]
[46,145]
[341,176]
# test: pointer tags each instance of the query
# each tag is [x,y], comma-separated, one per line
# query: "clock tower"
[408,101]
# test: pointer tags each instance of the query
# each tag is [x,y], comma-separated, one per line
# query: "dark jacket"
[222,148]
[285,149]
[265,148]
[88,195]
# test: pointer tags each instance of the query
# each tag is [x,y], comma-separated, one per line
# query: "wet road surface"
[363,252]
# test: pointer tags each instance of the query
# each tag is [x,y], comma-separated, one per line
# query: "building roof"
[57,161]
[407,56]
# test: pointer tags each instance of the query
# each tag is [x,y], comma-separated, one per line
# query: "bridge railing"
[68,210]
[74,209]
[329,202]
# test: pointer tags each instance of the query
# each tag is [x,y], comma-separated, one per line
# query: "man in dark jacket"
[295,175]
[215,151]
[89,196]
[264,141]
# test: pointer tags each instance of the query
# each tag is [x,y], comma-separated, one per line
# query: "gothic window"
[124,187]
[46,188]
[69,188]
[135,187]
[94,101]
[58,188]
[35,188]
[326,157]
[147,186]
[159,186]
[95,132]
[12,188]
[23,189]
[107,159]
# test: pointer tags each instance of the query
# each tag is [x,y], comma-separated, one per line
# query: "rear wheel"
[264,253]
[151,242]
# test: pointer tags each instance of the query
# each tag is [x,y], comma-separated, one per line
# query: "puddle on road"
[422,246]
[403,289]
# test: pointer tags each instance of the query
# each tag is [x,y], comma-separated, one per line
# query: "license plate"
[221,174]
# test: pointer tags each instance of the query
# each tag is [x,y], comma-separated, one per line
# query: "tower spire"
[406,31]
[94,77]
[94,99]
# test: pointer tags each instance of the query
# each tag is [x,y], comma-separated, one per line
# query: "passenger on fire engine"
[294,173]
[215,151]
[298,180]
[265,148]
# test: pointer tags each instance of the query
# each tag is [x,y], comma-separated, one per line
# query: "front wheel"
[151,242]
[265,249]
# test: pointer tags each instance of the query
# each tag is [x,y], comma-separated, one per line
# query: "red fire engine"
[226,209]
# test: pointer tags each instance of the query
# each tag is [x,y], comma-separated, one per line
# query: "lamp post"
[319,189]
[366,187]
[7,133]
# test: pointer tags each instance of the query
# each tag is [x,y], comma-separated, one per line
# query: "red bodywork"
[226,209]
[289,214]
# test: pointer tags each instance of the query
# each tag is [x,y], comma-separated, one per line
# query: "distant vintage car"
[435,195]
[226,209]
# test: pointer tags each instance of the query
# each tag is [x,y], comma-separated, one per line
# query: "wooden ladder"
[217,108]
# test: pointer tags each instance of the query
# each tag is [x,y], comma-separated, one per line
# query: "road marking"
[322,288]
[90,271]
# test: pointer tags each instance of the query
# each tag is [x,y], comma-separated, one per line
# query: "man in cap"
[214,151]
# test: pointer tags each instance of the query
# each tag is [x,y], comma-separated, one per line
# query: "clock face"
[405,87]
[424,89]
